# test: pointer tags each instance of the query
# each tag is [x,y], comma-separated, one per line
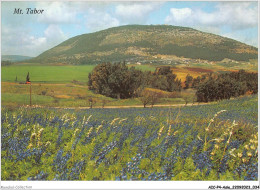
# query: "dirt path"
[121,107]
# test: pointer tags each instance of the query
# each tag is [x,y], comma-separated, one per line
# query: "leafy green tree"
[173,84]
[163,70]
[188,81]
[196,82]
[135,81]
[225,86]
[115,80]
[159,82]
[164,79]
[98,79]
[118,80]
[206,91]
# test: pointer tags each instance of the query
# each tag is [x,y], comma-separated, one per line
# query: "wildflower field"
[204,142]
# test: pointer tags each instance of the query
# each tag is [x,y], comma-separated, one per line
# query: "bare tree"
[145,99]
[186,98]
[148,96]
[189,98]
[91,102]
[194,98]
[154,97]
[104,102]
[144,96]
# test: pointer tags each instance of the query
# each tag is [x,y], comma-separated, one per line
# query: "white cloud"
[231,14]
[57,12]
[230,19]
[95,14]
[178,15]
[68,11]
[23,43]
[239,15]
[54,35]
[125,12]
[98,17]
[137,12]
[97,20]
[248,39]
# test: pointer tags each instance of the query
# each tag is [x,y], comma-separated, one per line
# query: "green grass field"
[46,74]
[52,74]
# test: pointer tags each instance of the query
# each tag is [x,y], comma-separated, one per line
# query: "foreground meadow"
[202,142]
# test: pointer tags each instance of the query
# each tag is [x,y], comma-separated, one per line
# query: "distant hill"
[15,58]
[146,43]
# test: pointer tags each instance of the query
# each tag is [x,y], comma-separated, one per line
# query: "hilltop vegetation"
[146,43]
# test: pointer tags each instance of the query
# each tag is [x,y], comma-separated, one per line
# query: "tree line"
[227,85]
[117,80]
[214,87]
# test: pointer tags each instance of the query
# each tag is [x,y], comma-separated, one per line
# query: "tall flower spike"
[114,120]
[231,152]
[88,119]
[75,132]
[199,138]
[122,120]
[83,120]
[169,131]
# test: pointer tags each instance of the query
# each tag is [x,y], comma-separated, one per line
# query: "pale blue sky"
[32,34]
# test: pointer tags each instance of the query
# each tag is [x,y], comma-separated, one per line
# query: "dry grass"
[62,96]
[62,91]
